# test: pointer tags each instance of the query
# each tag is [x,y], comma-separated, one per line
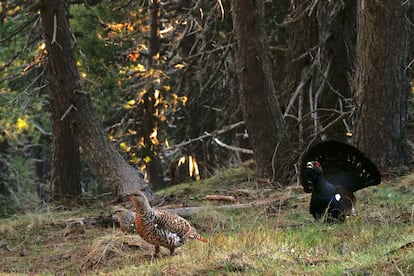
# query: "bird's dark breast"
[318,207]
[335,210]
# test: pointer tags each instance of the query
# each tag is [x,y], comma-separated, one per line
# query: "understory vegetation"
[278,237]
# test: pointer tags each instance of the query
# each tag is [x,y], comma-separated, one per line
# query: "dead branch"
[299,88]
[312,7]
[233,148]
[78,224]
[21,50]
[189,211]
[55,33]
[221,198]
[323,129]
[42,131]
[221,131]
[296,15]
[18,30]
[68,111]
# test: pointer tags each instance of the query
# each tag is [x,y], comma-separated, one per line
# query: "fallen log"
[188,211]
[112,219]
[221,198]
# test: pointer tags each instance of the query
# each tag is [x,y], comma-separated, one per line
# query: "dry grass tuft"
[113,245]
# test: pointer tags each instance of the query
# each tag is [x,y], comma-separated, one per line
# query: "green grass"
[277,239]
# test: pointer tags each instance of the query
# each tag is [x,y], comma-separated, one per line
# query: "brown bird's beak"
[134,201]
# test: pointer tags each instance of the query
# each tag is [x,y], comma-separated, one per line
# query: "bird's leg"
[171,251]
[353,211]
[157,251]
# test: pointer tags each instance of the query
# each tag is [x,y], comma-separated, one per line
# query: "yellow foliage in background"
[21,124]
[124,147]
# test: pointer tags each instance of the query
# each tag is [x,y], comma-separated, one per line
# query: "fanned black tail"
[342,164]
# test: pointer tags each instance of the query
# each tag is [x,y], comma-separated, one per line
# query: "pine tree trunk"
[261,111]
[65,175]
[66,166]
[74,108]
[382,86]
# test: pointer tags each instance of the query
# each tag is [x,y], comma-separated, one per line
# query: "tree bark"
[381,84]
[337,35]
[65,174]
[65,177]
[317,90]
[301,35]
[75,110]
[267,130]
[150,121]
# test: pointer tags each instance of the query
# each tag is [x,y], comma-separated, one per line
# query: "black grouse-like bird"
[332,171]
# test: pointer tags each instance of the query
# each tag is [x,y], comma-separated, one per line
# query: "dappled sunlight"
[211,109]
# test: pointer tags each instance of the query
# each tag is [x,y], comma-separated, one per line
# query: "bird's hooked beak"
[313,165]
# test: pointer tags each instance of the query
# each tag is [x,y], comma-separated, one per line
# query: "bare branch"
[18,30]
[228,198]
[202,137]
[42,131]
[299,88]
[68,111]
[21,50]
[233,148]
[55,32]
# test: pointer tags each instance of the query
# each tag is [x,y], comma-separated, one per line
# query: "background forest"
[179,100]
[194,101]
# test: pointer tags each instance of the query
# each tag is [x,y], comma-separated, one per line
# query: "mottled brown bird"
[161,228]
[126,220]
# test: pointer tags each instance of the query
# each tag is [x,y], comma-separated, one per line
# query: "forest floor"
[278,237]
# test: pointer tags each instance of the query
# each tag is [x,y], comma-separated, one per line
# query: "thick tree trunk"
[65,178]
[75,107]
[382,86]
[65,174]
[317,87]
[336,23]
[301,35]
[267,131]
